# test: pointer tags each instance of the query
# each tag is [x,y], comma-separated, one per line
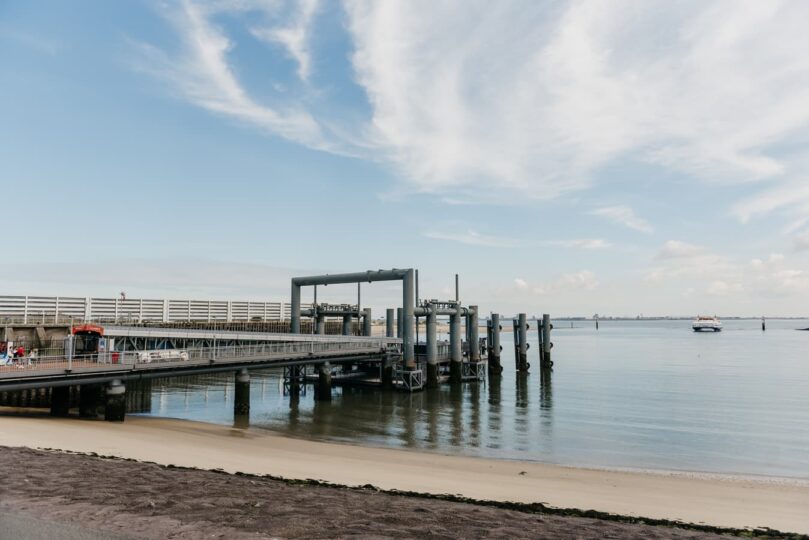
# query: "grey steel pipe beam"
[406,275]
[399,323]
[424,312]
[354,277]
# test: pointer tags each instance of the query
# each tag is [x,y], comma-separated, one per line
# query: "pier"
[318,344]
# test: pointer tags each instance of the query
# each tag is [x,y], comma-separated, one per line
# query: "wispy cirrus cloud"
[201,71]
[581,243]
[457,105]
[294,36]
[677,249]
[583,280]
[624,215]
[472,238]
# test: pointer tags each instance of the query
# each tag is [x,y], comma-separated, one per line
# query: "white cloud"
[802,241]
[722,288]
[676,249]
[541,107]
[625,216]
[512,102]
[583,280]
[295,36]
[582,243]
[472,238]
[202,73]
[758,280]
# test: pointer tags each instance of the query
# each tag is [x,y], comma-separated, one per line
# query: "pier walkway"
[276,350]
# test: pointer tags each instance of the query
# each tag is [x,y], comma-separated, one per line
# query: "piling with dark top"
[522,340]
[324,382]
[432,347]
[546,341]
[241,395]
[90,397]
[474,338]
[387,371]
[399,323]
[115,407]
[60,400]
[320,323]
[495,368]
[456,352]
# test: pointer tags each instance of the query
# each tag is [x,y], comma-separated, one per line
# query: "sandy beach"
[718,501]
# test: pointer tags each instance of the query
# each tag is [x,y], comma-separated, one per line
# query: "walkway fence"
[261,352]
[69,309]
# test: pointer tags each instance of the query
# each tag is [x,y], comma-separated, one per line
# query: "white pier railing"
[59,309]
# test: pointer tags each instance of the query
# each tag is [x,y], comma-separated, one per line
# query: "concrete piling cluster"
[401,368]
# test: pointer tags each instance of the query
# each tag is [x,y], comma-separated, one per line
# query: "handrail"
[195,356]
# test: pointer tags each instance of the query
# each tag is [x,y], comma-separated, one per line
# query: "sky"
[572,158]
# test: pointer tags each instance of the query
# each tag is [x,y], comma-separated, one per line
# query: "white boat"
[707,324]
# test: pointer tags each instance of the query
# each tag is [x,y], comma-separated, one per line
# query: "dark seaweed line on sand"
[528,508]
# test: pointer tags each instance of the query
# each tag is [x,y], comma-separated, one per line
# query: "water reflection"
[639,395]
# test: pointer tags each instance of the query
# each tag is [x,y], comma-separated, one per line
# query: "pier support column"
[295,376]
[241,398]
[522,340]
[399,323]
[347,325]
[367,320]
[321,324]
[546,341]
[408,308]
[456,353]
[89,399]
[474,338]
[432,348]
[387,371]
[115,408]
[389,322]
[295,309]
[60,400]
[324,382]
[495,368]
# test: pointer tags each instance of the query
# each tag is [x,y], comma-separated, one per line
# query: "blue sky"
[570,157]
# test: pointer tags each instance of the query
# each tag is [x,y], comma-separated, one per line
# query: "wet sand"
[128,499]
[725,502]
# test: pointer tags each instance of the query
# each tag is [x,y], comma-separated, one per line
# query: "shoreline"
[685,473]
[729,502]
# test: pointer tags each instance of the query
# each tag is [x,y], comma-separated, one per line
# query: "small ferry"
[707,324]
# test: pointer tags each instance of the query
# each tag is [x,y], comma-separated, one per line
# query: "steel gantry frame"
[405,275]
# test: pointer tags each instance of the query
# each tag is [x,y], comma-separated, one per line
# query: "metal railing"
[259,352]
[70,309]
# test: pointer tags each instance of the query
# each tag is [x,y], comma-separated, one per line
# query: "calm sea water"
[634,394]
